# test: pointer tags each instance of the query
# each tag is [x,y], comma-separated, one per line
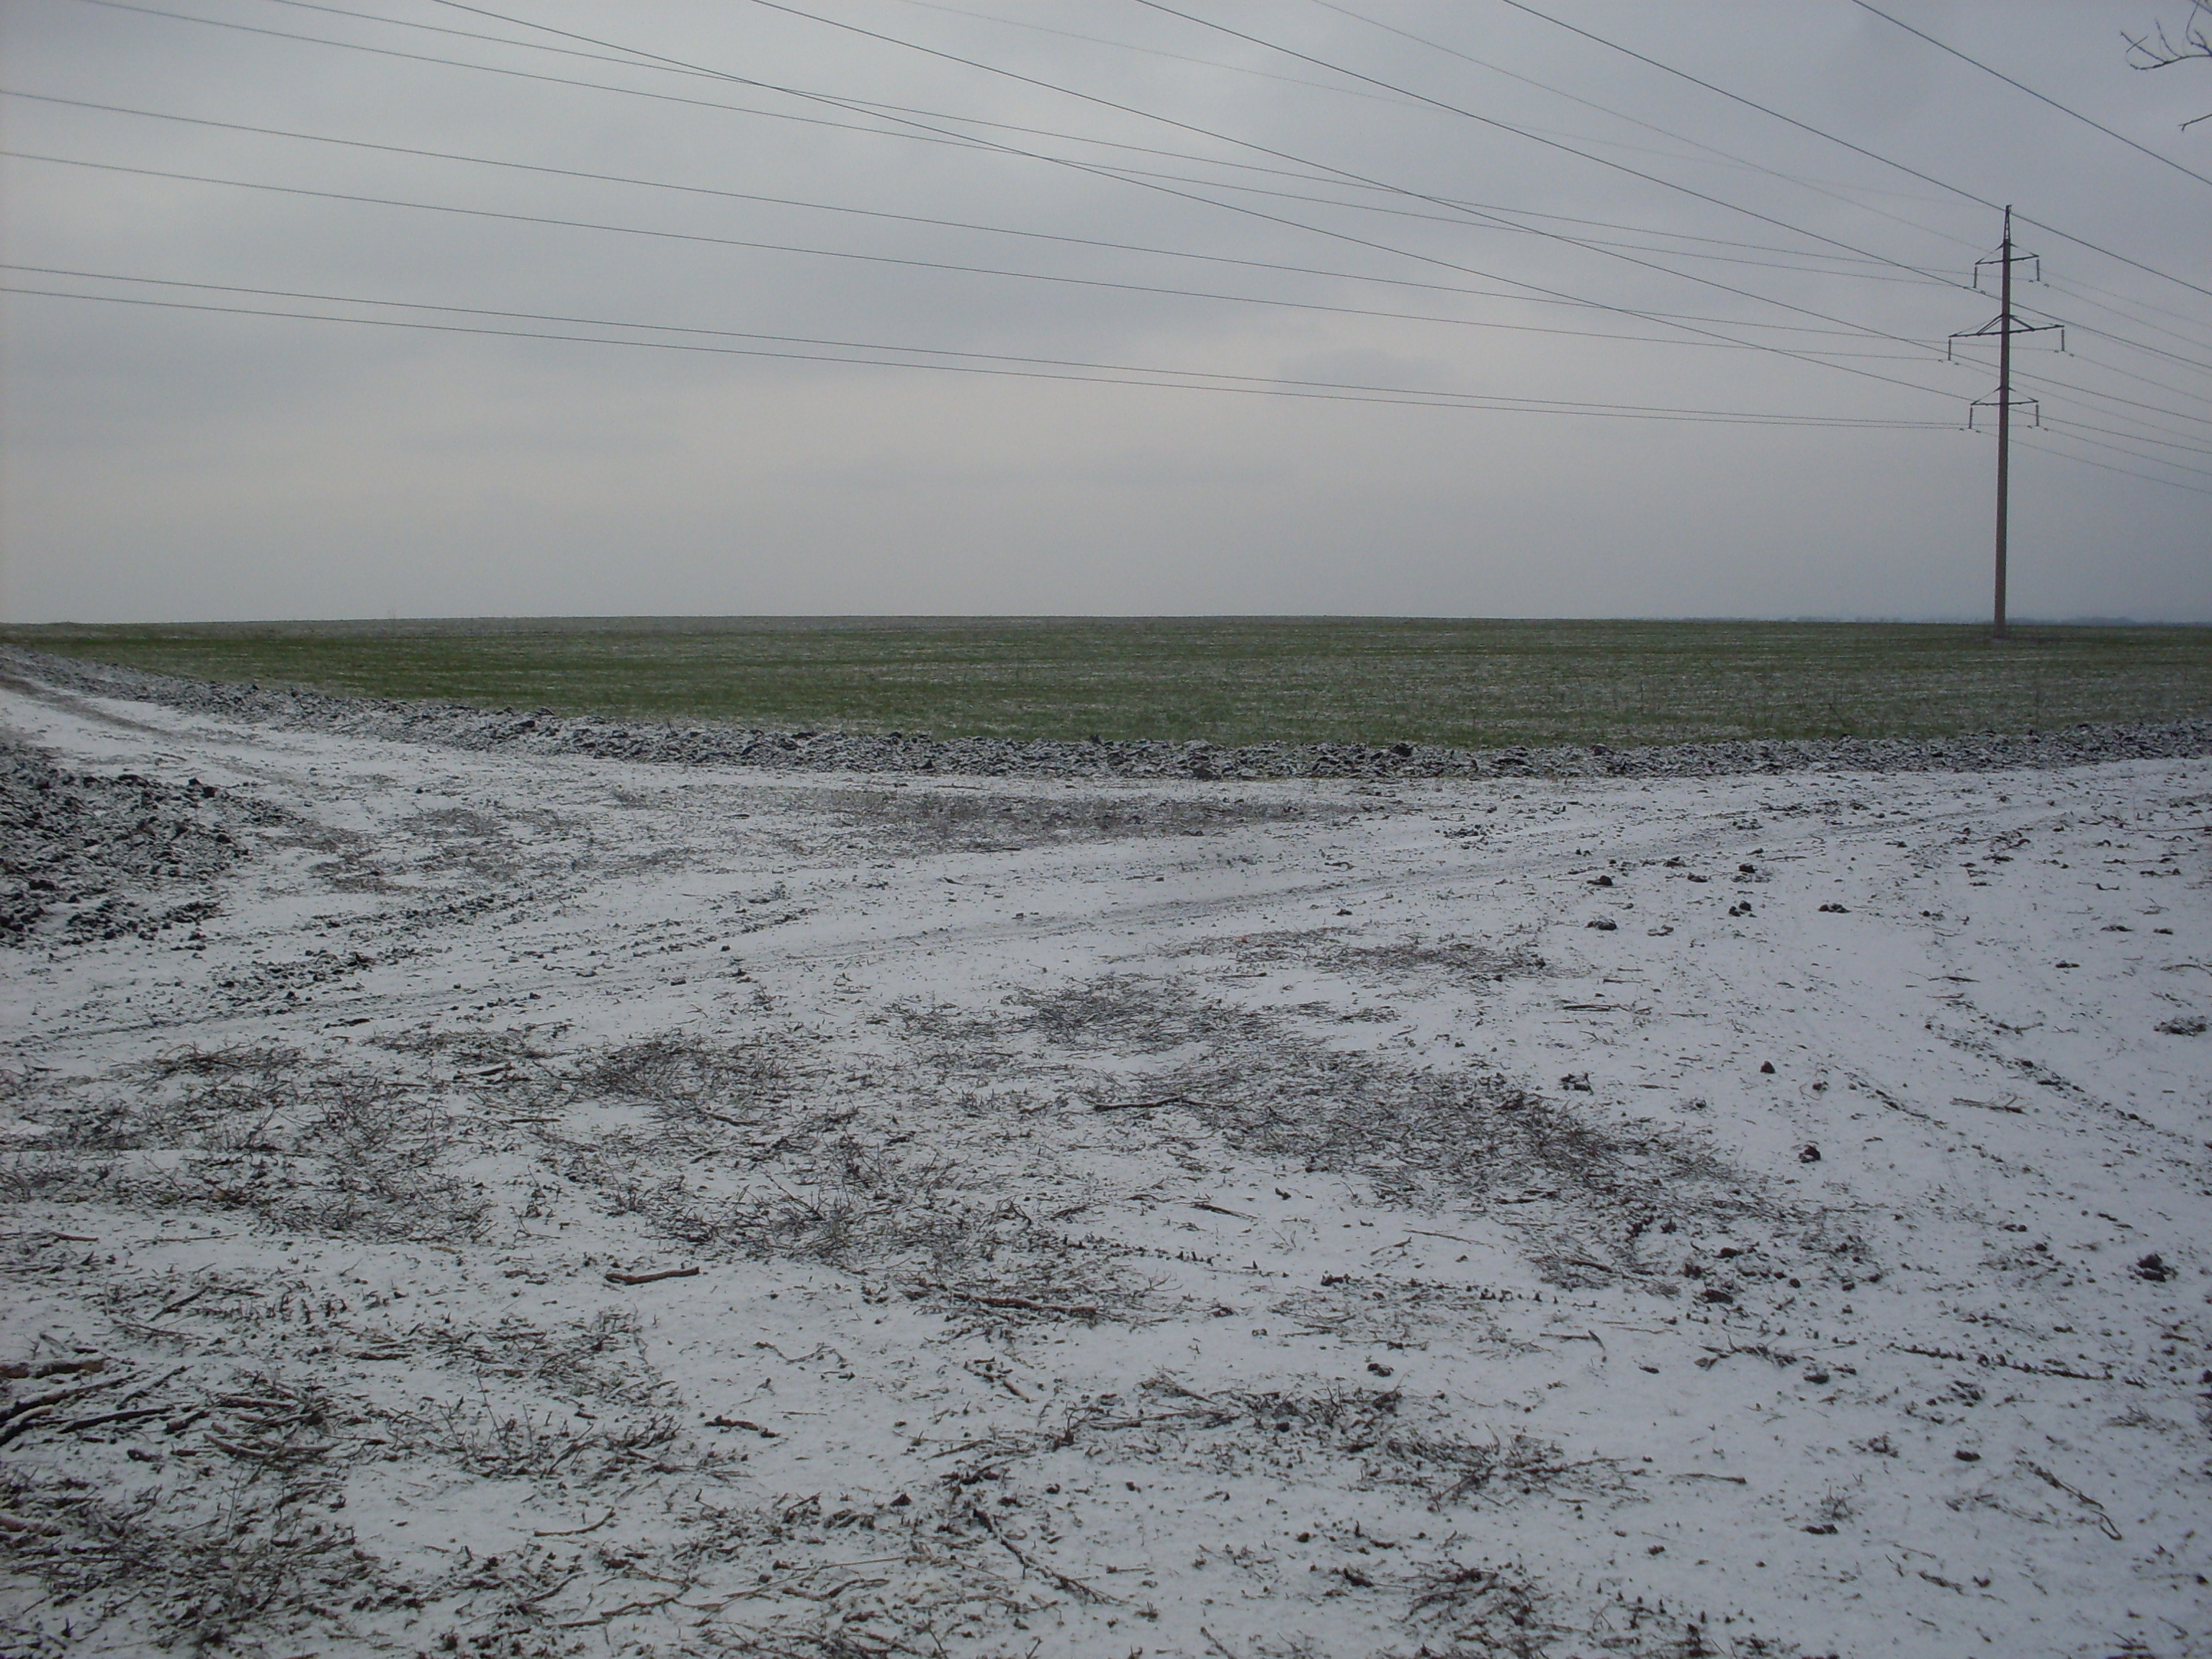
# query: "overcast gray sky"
[1580,243]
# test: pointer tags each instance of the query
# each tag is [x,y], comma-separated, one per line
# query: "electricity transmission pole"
[2004,327]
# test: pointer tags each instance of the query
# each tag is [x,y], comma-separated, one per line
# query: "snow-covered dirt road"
[498,1203]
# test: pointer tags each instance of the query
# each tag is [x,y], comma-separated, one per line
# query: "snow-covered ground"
[1758,1215]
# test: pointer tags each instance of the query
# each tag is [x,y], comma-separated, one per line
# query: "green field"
[1233,680]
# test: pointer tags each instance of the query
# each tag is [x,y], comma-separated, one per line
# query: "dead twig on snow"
[22,1369]
[577,1532]
[2104,1520]
[1074,1587]
[1028,1305]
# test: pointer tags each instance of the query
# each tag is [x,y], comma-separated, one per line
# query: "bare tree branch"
[2158,49]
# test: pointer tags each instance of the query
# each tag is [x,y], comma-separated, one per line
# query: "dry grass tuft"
[368,1163]
[230,1061]
[249,1568]
[521,1445]
[1489,1611]
[1417,1135]
[1476,962]
[1374,1311]
[600,1359]
[723,1158]
[1453,1471]
[678,1075]
[309,1147]
[871,1211]
[1233,1432]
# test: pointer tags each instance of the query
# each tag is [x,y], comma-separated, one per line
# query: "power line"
[927,136]
[2007,326]
[2113,299]
[2135,429]
[1807,355]
[1150,51]
[2048,379]
[834,207]
[1738,98]
[1112,374]
[2045,434]
[915,133]
[2099,247]
[1867,5]
[1388,393]
[858,107]
[1592,410]
[1495,211]
[2106,466]
[1202,22]
[672,67]
[616,178]
[2162,352]
[2088,296]
[1815,186]
[1108,103]
[2130,374]
[1708,150]
[2114,397]
[2133,437]
[775,5]
[1007,364]
[866,105]
[857,345]
[1535,293]
[446,155]
[1158,6]
[1873,155]
[1346,11]
[1462,207]
[741,196]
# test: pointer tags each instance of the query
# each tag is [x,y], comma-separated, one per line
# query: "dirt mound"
[85,857]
